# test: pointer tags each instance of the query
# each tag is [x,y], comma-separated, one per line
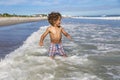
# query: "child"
[55,31]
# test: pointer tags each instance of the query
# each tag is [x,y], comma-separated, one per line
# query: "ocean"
[94,53]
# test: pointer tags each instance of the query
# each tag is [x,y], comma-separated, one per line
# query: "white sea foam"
[103,18]
[30,62]
[113,71]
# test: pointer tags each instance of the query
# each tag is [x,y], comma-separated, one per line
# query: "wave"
[30,62]
[103,18]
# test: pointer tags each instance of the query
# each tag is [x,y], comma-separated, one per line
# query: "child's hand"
[41,44]
[69,37]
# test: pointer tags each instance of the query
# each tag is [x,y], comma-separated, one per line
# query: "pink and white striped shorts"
[56,49]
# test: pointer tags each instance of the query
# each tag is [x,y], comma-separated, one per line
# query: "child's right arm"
[43,36]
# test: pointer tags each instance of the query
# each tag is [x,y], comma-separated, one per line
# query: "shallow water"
[93,55]
[11,37]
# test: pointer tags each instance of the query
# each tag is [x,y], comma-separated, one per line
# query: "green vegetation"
[14,15]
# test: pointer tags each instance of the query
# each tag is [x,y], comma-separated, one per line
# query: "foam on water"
[90,55]
[95,39]
[31,62]
[113,71]
[103,18]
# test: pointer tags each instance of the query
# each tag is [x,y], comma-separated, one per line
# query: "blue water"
[11,37]
[94,53]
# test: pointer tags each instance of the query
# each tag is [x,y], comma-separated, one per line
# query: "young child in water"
[55,31]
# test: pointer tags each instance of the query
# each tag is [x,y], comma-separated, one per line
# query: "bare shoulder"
[49,28]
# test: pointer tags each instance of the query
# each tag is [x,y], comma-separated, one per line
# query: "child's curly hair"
[53,16]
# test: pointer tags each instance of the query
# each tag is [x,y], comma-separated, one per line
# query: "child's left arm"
[66,34]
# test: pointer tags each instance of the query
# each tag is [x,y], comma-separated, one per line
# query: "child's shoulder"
[49,27]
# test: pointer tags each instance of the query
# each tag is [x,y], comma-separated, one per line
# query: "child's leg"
[64,55]
[52,51]
[52,57]
[61,51]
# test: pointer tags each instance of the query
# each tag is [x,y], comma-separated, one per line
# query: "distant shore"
[5,21]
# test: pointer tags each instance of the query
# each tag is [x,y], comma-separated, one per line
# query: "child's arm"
[66,34]
[43,36]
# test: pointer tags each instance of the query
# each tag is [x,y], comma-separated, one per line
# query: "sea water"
[94,53]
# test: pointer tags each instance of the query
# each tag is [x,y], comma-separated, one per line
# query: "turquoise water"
[93,55]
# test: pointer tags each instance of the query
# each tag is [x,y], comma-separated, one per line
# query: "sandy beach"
[4,21]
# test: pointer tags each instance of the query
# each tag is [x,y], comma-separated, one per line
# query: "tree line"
[12,15]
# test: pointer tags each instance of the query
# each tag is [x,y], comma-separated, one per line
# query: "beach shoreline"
[5,21]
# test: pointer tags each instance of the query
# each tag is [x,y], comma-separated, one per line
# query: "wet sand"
[5,21]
